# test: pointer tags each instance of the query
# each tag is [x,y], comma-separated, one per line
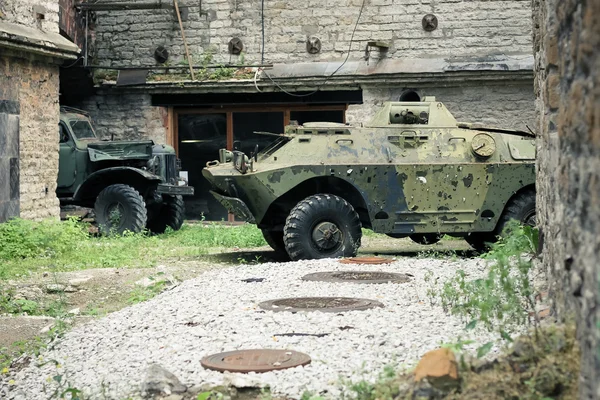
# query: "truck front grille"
[170,168]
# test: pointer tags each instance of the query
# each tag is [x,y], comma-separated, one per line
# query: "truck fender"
[98,180]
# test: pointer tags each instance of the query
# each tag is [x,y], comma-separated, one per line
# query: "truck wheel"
[169,213]
[322,226]
[521,207]
[120,208]
[275,240]
[426,238]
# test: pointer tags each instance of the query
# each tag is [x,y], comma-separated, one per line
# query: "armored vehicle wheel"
[322,226]
[169,213]
[120,208]
[521,208]
[275,240]
[426,238]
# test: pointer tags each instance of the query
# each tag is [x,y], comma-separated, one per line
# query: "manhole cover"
[254,360]
[357,277]
[366,260]
[325,304]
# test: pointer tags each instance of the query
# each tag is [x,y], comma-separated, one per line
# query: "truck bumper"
[235,206]
[175,190]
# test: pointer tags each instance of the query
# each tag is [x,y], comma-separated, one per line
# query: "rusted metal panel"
[71,22]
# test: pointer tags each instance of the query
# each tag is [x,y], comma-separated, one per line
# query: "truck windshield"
[82,129]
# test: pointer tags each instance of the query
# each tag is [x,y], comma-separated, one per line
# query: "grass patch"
[29,247]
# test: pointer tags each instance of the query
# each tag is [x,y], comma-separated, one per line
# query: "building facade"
[260,64]
[31,50]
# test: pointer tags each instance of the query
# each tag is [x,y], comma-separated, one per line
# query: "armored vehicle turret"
[412,171]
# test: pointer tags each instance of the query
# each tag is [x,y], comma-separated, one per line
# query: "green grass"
[27,247]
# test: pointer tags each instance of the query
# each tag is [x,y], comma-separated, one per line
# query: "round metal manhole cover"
[357,277]
[324,304]
[262,360]
[366,260]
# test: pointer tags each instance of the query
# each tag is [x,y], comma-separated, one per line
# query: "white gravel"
[108,357]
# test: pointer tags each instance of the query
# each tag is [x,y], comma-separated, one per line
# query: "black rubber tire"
[130,202]
[168,214]
[520,207]
[426,238]
[275,240]
[318,209]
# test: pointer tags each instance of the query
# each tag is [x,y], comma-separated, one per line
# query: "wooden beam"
[187,53]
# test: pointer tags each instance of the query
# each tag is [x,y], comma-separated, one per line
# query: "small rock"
[28,293]
[70,289]
[75,311]
[76,282]
[242,381]
[160,381]
[439,367]
[55,288]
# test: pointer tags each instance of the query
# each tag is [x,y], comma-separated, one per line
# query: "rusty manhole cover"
[324,304]
[357,277]
[367,260]
[263,360]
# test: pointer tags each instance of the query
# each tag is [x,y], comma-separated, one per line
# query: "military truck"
[131,185]
[413,170]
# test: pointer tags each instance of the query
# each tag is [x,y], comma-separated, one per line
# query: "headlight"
[225,156]
[152,164]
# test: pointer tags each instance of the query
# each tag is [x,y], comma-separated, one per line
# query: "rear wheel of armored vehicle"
[120,208]
[169,213]
[426,238]
[275,240]
[322,226]
[520,207]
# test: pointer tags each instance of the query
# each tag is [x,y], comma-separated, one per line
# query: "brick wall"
[466,28]
[566,42]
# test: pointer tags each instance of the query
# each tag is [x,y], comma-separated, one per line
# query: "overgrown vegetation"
[29,247]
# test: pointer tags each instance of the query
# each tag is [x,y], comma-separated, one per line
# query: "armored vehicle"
[413,170]
[131,185]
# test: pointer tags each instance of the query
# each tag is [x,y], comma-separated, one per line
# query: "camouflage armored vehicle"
[131,185]
[413,170]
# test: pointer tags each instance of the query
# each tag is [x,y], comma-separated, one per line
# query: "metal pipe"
[212,66]
[121,6]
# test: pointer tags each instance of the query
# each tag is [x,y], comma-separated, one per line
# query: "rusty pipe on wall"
[114,6]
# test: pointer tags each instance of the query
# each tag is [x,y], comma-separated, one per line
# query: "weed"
[143,293]
[504,298]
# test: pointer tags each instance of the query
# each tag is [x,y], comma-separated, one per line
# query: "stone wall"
[508,106]
[32,82]
[465,28]
[566,42]
[41,14]
[34,85]
[127,116]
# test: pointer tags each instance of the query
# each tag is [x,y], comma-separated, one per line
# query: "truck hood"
[120,150]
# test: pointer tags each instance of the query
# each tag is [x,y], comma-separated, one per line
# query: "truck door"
[67,163]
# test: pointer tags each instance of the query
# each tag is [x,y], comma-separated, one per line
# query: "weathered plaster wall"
[509,106]
[566,40]
[466,28]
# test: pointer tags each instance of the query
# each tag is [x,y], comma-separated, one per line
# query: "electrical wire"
[262,17]
[74,62]
[334,72]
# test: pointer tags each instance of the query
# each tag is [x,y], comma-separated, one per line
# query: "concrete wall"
[567,39]
[33,83]
[466,28]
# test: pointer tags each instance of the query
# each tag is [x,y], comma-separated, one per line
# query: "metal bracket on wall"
[383,48]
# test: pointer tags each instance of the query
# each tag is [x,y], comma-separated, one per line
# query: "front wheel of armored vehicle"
[169,213]
[322,226]
[520,207]
[275,240]
[120,208]
[426,238]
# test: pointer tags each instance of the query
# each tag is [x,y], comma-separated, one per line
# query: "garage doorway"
[200,133]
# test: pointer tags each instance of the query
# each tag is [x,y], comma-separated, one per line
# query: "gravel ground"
[216,312]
